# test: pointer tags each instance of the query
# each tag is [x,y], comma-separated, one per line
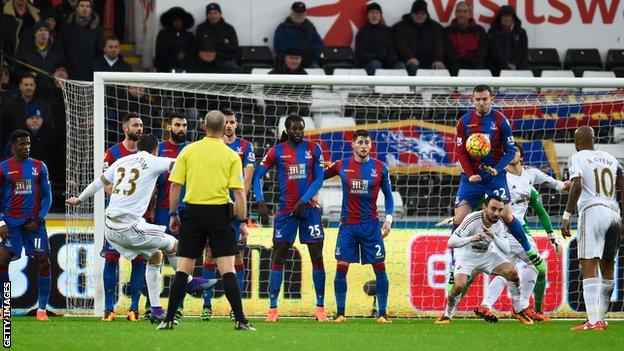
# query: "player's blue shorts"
[310,227]
[472,193]
[35,244]
[240,244]
[360,243]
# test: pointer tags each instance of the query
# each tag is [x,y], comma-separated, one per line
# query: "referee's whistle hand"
[174,225]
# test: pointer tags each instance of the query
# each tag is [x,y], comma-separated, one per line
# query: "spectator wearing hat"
[51,18]
[374,44]
[23,13]
[43,55]
[174,42]
[82,39]
[205,61]
[222,36]
[44,144]
[298,32]
[419,39]
[292,64]
[508,42]
[467,43]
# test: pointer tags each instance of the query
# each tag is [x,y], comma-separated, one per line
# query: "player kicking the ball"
[474,253]
[594,175]
[360,232]
[133,179]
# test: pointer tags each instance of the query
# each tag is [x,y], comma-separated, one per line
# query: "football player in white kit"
[595,175]
[521,181]
[133,179]
[473,251]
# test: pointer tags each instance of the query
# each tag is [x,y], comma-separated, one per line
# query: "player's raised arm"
[543,178]
[106,179]
[460,149]
[544,218]
[508,146]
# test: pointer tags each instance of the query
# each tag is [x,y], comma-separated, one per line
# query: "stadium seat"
[333,122]
[471,73]
[540,59]
[334,57]
[326,103]
[428,92]
[315,71]
[351,88]
[615,62]
[392,89]
[558,74]
[517,90]
[255,57]
[260,70]
[598,74]
[580,60]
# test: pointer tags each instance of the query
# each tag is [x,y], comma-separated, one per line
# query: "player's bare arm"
[575,193]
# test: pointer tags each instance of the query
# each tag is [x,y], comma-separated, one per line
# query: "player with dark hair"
[132,126]
[25,201]
[361,236]
[299,173]
[244,149]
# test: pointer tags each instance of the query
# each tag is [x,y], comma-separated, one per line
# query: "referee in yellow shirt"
[209,169]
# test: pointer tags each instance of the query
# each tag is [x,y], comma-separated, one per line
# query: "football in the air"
[478,145]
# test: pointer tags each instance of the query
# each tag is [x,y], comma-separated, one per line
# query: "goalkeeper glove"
[555,241]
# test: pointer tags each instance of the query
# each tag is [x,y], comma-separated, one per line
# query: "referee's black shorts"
[201,223]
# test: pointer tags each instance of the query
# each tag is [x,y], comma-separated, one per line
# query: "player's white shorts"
[593,223]
[468,261]
[139,238]
[516,251]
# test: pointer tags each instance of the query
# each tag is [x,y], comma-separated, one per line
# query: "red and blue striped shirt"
[26,191]
[167,149]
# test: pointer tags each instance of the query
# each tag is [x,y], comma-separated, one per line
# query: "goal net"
[412,123]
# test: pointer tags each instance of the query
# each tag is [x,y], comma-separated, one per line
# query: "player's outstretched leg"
[453,298]
[340,290]
[43,269]
[153,278]
[382,291]
[318,277]
[111,268]
[494,290]
[209,271]
[528,279]
[520,302]
[137,283]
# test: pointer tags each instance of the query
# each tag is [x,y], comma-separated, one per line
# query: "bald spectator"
[82,39]
[174,42]
[419,39]
[298,32]
[467,41]
[508,42]
[374,44]
[293,63]
[214,31]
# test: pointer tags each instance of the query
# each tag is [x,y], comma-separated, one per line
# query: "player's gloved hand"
[263,211]
[555,242]
[474,178]
[73,201]
[4,230]
[298,209]
[33,225]
[565,228]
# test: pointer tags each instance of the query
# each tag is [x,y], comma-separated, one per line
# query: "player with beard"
[132,126]
[244,149]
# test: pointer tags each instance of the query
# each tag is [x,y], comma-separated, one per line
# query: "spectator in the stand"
[293,63]
[222,36]
[467,41]
[111,60]
[44,144]
[16,105]
[43,53]
[5,80]
[299,33]
[374,45]
[205,61]
[82,38]
[24,13]
[419,39]
[51,19]
[509,45]
[8,30]
[174,42]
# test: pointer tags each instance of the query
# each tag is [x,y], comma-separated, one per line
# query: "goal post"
[412,122]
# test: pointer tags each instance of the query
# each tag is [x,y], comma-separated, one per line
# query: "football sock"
[514,290]
[528,277]
[451,303]
[110,281]
[44,288]
[606,290]
[233,295]
[153,279]
[340,287]
[173,260]
[495,289]
[178,290]
[209,272]
[515,228]
[275,283]
[381,287]
[538,291]
[240,277]
[318,276]
[137,282]
[591,295]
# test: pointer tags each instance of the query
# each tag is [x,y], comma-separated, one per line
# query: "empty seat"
[326,102]
[333,122]
[428,92]
[471,73]
[351,72]
[315,71]
[255,56]
[392,89]
[517,90]
[580,60]
[334,57]
[615,62]
[540,59]
[558,74]
[258,70]
[598,74]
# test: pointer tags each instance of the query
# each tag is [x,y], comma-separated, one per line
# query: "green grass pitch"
[306,334]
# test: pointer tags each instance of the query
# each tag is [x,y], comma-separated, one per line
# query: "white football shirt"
[472,225]
[598,171]
[520,188]
[133,178]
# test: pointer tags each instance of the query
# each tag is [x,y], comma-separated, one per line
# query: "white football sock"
[153,280]
[591,295]
[452,302]
[514,291]
[173,260]
[528,278]
[606,290]
[495,289]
